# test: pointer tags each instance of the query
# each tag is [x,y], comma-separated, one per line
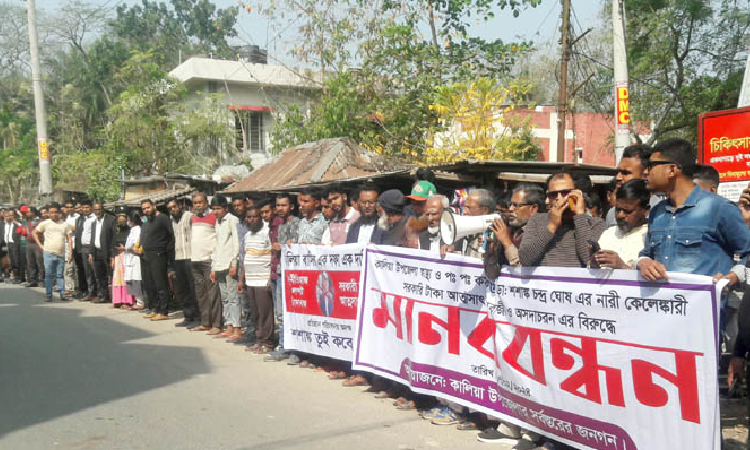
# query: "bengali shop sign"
[591,358]
[724,142]
[321,285]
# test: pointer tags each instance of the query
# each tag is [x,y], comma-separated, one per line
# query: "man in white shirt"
[620,245]
[71,277]
[88,250]
[361,230]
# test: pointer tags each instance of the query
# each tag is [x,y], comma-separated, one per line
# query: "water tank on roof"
[252,54]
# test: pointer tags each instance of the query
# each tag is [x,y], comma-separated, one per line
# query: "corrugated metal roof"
[318,162]
[156,197]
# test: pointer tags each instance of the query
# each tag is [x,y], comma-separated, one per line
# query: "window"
[249,126]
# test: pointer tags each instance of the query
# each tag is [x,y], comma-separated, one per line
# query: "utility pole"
[562,101]
[622,96]
[45,176]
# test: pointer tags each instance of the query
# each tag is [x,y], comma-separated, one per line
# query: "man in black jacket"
[102,231]
[84,224]
[362,229]
[157,240]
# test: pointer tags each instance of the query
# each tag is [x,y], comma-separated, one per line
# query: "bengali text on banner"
[592,358]
[321,285]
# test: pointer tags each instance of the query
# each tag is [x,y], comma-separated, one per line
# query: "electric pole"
[45,176]
[562,101]
[622,96]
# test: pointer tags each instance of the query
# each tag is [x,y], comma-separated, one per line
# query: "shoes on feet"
[183,324]
[446,417]
[493,436]
[276,356]
[293,360]
[431,413]
[49,298]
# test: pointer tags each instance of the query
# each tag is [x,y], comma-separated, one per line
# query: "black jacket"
[16,235]
[106,236]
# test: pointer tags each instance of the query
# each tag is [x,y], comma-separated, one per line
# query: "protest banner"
[321,285]
[592,358]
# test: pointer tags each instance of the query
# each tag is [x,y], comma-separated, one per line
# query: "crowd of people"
[219,261]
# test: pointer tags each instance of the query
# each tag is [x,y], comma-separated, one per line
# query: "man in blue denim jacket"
[692,231]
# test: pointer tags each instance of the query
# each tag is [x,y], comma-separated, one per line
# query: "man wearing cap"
[34,255]
[391,227]
[421,191]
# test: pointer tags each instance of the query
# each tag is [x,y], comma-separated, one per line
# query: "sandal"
[252,348]
[264,349]
[337,375]
[400,401]
[468,426]
[307,365]
[355,380]
[199,328]
[410,405]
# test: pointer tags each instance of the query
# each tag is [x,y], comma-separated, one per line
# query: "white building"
[254,92]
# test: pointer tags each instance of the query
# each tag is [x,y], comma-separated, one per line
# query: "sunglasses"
[551,195]
[651,164]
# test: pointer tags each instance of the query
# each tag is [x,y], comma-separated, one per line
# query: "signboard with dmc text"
[724,143]
[321,285]
[593,358]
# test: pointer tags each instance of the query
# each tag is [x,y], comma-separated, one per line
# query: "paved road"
[82,376]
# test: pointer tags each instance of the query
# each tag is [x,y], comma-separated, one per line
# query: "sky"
[538,24]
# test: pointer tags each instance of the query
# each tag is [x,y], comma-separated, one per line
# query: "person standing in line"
[255,279]
[239,207]
[287,232]
[361,231]
[120,297]
[132,263]
[78,256]
[157,241]
[202,244]
[34,256]
[101,239]
[343,216]
[86,222]
[12,238]
[182,279]
[52,235]
[224,267]
[71,278]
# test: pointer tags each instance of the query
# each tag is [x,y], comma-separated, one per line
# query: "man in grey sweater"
[560,237]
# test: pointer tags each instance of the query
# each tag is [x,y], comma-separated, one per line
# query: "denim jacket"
[701,237]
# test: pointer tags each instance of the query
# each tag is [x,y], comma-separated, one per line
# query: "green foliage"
[686,57]
[193,26]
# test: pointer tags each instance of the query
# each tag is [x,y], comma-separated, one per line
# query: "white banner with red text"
[593,358]
[320,290]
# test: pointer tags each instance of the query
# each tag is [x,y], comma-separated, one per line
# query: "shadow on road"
[53,362]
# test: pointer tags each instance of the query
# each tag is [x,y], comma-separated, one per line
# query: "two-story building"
[255,92]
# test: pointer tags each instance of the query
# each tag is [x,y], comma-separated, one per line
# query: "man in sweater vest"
[202,244]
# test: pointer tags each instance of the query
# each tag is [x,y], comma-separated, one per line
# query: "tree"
[190,26]
[685,57]
[468,114]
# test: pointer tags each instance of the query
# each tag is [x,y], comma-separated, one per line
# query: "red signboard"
[724,142]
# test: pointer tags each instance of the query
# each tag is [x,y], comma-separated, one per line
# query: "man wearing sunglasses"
[692,231]
[561,236]
[527,200]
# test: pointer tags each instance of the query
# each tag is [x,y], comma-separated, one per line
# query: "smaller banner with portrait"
[321,285]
